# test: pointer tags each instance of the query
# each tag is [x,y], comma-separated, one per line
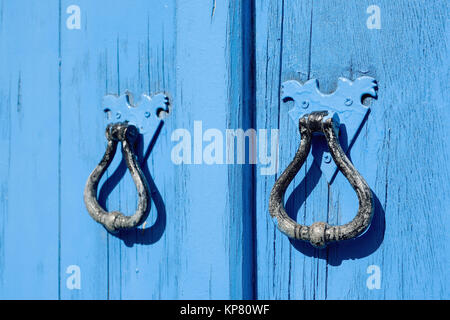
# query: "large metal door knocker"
[326,122]
[126,133]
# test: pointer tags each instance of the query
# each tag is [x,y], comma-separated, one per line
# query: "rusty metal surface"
[321,233]
[115,221]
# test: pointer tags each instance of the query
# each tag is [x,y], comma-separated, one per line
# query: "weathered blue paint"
[29,110]
[401,150]
[195,243]
[345,101]
[209,234]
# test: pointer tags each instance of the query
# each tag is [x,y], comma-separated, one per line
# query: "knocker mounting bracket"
[346,101]
[146,114]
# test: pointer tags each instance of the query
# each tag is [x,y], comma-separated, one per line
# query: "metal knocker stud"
[321,233]
[115,221]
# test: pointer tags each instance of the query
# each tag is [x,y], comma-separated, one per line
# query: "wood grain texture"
[29,142]
[401,150]
[53,82]
[209,234]
[282,52]
[208,87]
[181,49]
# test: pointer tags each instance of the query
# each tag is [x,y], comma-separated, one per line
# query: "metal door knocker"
[115,221]
[142,116]
[317,121]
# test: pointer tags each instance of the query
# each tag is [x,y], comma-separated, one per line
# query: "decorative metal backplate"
[145,114]
[346,101]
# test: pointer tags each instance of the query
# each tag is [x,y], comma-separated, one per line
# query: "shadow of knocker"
[125,227]
[336,252]
[362,239]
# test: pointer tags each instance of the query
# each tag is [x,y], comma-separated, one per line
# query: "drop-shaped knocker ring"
[116,221]
[321,233]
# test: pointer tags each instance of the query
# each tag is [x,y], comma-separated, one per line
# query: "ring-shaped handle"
[321,233]
[116,221]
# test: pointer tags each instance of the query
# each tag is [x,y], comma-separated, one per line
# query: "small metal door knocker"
[115,221]
[320,233]
[138,119]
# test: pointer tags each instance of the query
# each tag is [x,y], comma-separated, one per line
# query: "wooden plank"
[185,51]
[29,139]
[145,51]
[199,217]
[88,72]
[392,151]
[286,269]
[192,51]
[240,115]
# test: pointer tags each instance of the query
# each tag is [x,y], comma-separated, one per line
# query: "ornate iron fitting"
[319,234]
[115,221]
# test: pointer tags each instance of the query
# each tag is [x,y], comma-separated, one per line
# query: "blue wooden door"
[402,149]
[218,148]
[58,60]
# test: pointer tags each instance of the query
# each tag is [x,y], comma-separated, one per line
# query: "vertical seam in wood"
[310,40]
[278,117]
[59,147]
[281,64]
[249,60]
[148,53]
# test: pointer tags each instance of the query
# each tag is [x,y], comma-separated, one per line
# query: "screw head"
[348,102]
[305,104]
[147,114]
[327,158]
[118,115]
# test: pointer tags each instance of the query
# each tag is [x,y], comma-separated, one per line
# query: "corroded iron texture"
[115,221]
[320,233]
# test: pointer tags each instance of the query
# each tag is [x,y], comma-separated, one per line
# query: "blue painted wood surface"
[53,81]
[209,234]
[402,150]
[29,158]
